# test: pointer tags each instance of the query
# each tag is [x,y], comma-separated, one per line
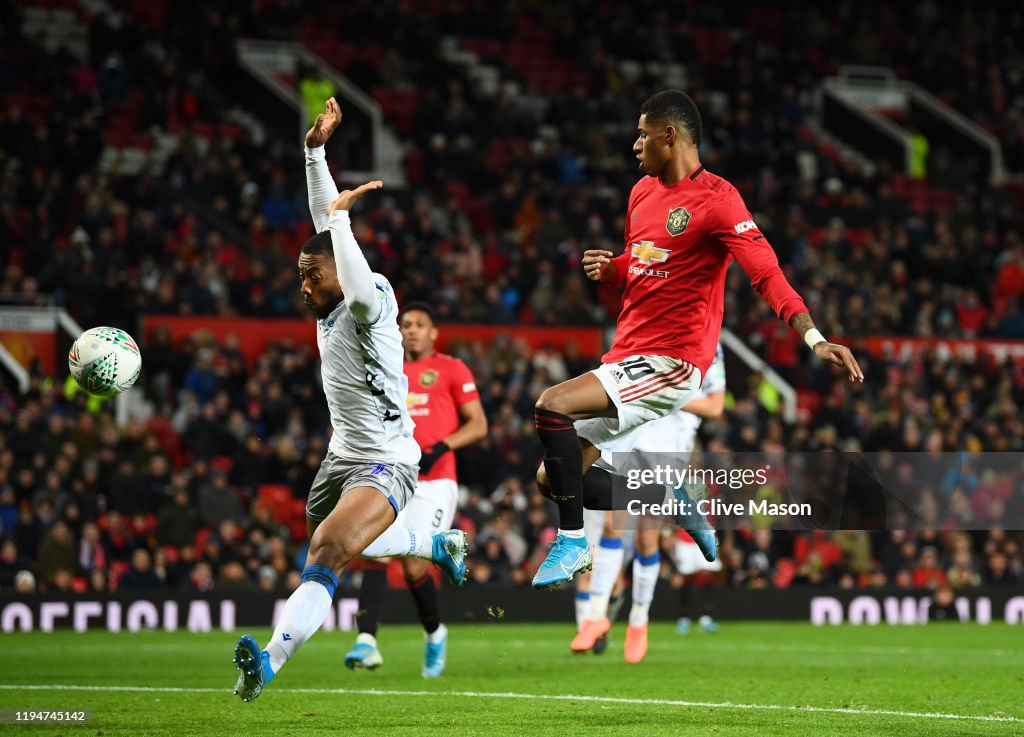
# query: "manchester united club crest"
[427,378]
[677,221]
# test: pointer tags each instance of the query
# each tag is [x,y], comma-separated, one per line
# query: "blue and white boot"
[435,652]
[364,654]
[449,553]
[693,521]
[567,557]
[707,624]
[254,665]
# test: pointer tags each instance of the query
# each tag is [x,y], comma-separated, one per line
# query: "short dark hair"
[422,307]
[676,107]
[320,245]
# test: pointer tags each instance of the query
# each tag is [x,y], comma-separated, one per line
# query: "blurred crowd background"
[505,193]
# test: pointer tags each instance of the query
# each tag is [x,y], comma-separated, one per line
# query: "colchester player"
[668,440]
[370,470]
[683,227]
[445,405]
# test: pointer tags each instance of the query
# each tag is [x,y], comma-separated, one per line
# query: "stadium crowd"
[506,192]
[209,492]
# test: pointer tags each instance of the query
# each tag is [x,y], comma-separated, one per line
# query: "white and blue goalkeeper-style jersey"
[365,386]
[361,353]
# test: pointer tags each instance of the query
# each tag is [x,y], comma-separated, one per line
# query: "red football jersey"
[438,386]
[679,242]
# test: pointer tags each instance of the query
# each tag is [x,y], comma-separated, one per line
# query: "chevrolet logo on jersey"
[413,399]
[647,253]
[677,221]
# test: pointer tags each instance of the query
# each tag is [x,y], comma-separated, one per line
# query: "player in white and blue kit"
[371,466]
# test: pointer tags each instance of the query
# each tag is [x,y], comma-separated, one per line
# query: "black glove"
[431,454]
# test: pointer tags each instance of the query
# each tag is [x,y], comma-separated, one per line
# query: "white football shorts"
[432,508]
[643,388]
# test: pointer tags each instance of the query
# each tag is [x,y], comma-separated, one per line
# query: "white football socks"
[437,635]
[582,607]
[399,542]
[304,612]
[645,578]
[607,566]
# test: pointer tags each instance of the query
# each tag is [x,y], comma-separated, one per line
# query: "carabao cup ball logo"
[105,361]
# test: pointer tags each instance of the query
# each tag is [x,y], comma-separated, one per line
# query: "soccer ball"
[105,361]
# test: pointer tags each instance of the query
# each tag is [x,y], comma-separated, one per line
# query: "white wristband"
[812,337]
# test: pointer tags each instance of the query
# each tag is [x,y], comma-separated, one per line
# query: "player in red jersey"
[684,225]
[444,403]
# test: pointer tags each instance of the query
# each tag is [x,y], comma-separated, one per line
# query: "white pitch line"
[537,697]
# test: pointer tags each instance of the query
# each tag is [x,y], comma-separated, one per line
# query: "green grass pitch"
[515,679]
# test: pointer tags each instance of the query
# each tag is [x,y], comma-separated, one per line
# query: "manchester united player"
[683,227]
[444,403]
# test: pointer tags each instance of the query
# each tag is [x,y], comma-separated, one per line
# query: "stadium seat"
[117,569]
[785,572]
[276,494]
[202,536]
[221,463]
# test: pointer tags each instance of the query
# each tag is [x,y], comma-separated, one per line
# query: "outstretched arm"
[364,299]
[745,241]
[840,355]
[319,183]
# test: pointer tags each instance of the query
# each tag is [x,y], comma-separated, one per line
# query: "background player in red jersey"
[444,403]
[684,225]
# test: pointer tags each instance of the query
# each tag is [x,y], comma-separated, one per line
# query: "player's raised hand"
[595,263]
[350,196]
[840,355]
[324,126]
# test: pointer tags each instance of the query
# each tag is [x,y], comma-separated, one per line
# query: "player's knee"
[543,484]
[553,400]
[326,551]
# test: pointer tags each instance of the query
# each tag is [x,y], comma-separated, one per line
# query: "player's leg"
[688,560]
[431,510]
[556,411]
[618,597]
[607,566]
[593,525]
[646,566]
[419,535]
[645,389]
[364,653]
[697,595]
[696,603]
[361,514]
[582,598]
[445,548]
[614,606]
[604,490]
[704,591]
